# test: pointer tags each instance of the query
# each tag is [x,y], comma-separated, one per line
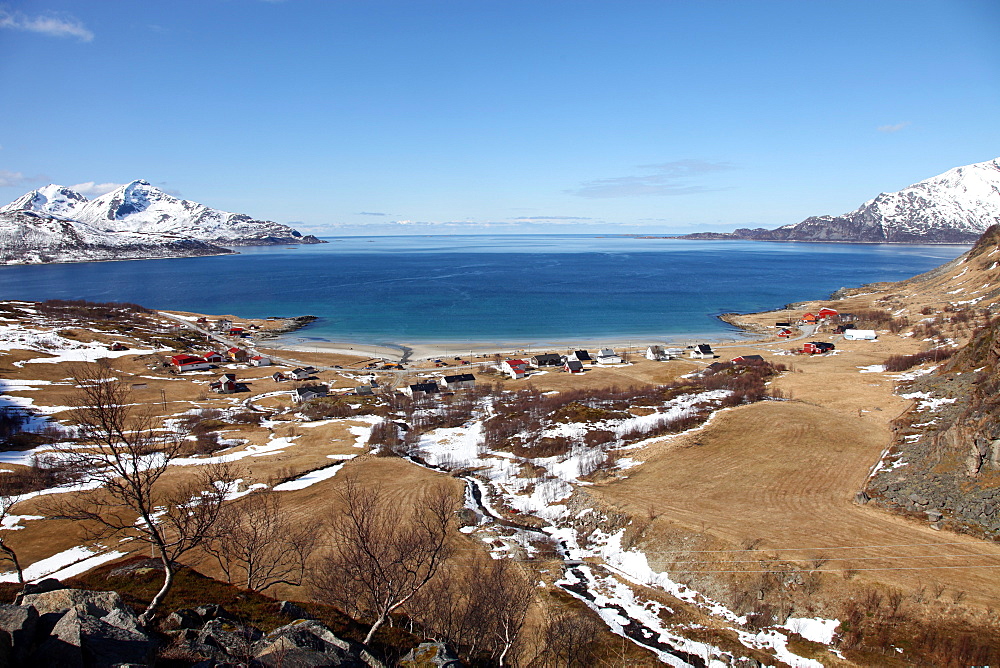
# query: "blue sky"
[483,116]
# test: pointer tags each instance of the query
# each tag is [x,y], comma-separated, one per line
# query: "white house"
[657,354]
[515,368]
[860,335]
[257,360]
[608,356]
[421,389]
[702,351]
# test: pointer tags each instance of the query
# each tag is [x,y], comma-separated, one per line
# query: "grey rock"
[79,640]
[223,639]
[293,610]
[97,603]
[428,654]
[304,644]
[18,623]
[185,618]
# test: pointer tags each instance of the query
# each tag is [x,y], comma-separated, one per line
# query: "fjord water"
[523,288]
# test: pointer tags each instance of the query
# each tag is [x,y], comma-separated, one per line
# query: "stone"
[861,498]
[97,603]
[304,644]
[223,639]
[293,610]
[80,640]
[428,655]
[18,622]
[184,618]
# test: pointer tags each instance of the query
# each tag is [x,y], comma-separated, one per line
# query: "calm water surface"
[488,288]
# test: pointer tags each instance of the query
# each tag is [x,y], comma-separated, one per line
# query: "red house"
[809,319]
[826,313]
[785,333]
[214,357]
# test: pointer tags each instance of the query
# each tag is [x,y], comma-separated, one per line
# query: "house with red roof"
[185,362]
[516,368]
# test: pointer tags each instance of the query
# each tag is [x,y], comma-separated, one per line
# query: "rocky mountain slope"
[139,207]
[28,237]
[944,463]
[954,207]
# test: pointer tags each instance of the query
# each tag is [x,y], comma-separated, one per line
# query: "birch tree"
[123,453]
[383,554]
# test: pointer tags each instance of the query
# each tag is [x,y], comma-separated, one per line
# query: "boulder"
[185,618]
[42,586]
[97,603]
[304,644]
[81,640]
[225,639]
[428,655]
[17,624]
[293,610]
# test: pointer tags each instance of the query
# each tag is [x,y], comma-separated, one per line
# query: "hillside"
[27,237]
[139,207]
[954,207]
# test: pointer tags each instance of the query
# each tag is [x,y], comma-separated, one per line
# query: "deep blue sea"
[517,288]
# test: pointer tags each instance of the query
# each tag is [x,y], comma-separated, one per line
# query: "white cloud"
[91,189]
[893,128]
[667,178]
[12,179]
[51,24]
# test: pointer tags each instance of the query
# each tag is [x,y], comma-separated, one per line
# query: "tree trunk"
[146,618]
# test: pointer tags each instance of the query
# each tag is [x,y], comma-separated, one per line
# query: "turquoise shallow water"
[488,288]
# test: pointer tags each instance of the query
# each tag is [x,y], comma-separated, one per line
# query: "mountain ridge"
[141,207]
[954,207]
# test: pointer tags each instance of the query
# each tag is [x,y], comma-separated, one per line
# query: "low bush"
[897,363]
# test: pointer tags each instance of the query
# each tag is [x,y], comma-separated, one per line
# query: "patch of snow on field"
[13,522]
[313,477]
[777,642]
[64,564]
[910,375]
[872,368]
[274,446]
[815,629]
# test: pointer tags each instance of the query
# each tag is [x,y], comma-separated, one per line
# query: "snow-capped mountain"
[954,207]
[29,237]
[143,208]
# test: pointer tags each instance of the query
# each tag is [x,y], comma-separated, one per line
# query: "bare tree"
[383,554]
[480,605]
[258,545]
[124,456]
[9,497]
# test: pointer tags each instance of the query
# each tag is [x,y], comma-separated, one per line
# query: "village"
[239,354]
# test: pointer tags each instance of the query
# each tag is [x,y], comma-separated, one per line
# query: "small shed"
[226,384]
[258,360]
[279,377]
[860,335]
